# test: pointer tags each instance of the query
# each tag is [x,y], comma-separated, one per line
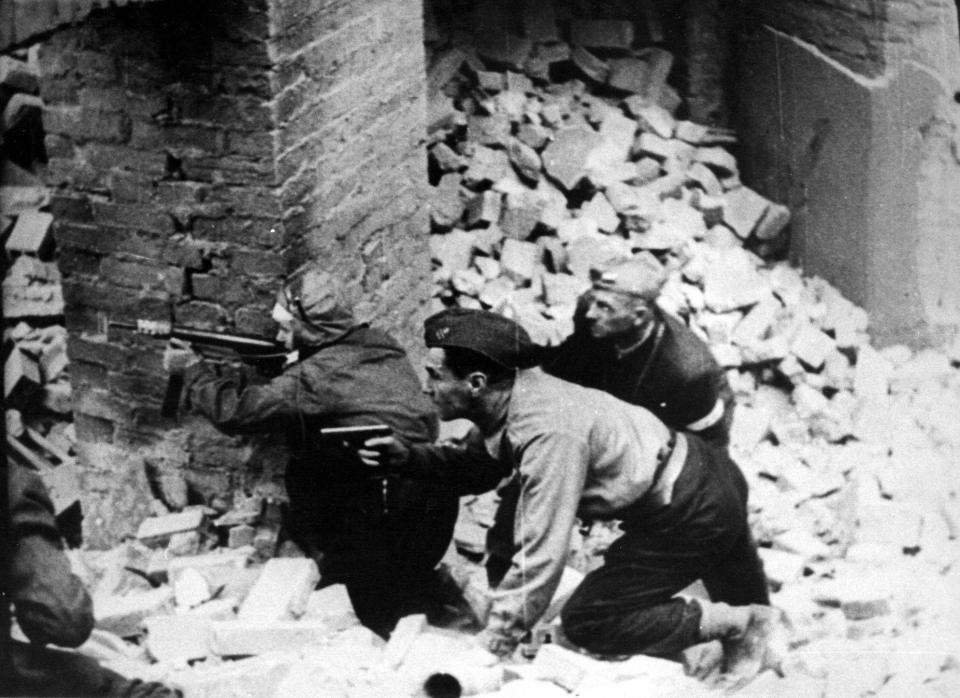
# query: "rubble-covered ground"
[547,157]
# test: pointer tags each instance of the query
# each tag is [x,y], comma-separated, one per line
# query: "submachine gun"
[267,356]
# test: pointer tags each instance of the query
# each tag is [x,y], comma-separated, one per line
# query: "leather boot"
[751,637]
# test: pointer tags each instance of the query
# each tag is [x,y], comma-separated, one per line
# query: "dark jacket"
[673,374]
[50,603]
[362,378]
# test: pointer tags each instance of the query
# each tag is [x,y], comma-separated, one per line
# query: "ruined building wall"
[847,112]
[198,155]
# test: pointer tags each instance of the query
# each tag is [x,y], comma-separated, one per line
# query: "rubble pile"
[36,367]
[850,451]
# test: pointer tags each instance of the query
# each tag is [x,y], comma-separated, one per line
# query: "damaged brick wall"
[198,155]
[848,114]
[350,110]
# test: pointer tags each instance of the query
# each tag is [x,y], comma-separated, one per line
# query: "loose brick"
[17,75]
[775,220]
[525,159]
[453,250]
[31,233]
[811,345]
[21,375]
[484,208]
[519,260]
[743,210]
[567,157]
[486,166]
[157,530]
[600,210]
[217,567]
[591,66]
[446,158]
[521,214]
[282,590]
[402,638]
[177,637]
[533,135]
[124,615]
[718,159]
[244,638]
[493,130]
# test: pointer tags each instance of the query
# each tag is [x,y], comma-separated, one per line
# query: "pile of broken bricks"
[849,450]
[36,383]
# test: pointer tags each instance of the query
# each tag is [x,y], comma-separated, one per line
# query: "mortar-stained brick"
[254,320]
[201,314]
[96,402]
[136,216]
[174,192]
[183,139]
[73,261]
[103,156]
[103,239]
[137,385]
[255,263]
[130,187]
[132,273]
[110,355]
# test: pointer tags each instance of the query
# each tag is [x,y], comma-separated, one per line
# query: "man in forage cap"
[626,345]
[379,537]
[563,451]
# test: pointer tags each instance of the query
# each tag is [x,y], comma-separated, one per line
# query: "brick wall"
[350,112]
[198,155]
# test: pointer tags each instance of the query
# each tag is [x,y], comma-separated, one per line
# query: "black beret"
[491,335]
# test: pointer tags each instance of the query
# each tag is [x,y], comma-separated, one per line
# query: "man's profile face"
[450,394]
[284,320]
[609,314]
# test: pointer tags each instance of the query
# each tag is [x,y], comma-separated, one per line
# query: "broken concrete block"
[656,120]
[525,159]
[123,615]
[218,567]
[774,220]
[644,75]
[253,637]
[490,81]
[811,345]
[447,159]
[282,590]
[31,233]
[533,135]
[732,281]
[257,676]
[690,132]
[562,289]
[402,637]
[488,267]
[600,210]
[519,260]
[446,202]
[704,176]
[743,210]
[592,67]
[240,536]
[521,215]
[17,75]
[486,166]
[177,638]
[484,208]
[157,530]
[496,291]
[566,668]
[21,375]
[191,589]
[453,250]
[332,606]
[488,130]
[467,282]
[717,159]
[651,144]
[757,323]
[566,158]
[518,83]
[588,251]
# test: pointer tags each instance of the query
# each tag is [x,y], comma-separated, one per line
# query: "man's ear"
[477,381]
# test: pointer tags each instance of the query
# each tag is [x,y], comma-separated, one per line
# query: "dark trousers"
[384,552]
[42,671]
[626,606]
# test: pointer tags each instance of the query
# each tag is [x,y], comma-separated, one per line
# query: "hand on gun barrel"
[179,356]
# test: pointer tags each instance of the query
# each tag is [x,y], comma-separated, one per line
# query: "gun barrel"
[240,343]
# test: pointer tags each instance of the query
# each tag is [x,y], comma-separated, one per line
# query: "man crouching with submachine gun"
[379,536]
